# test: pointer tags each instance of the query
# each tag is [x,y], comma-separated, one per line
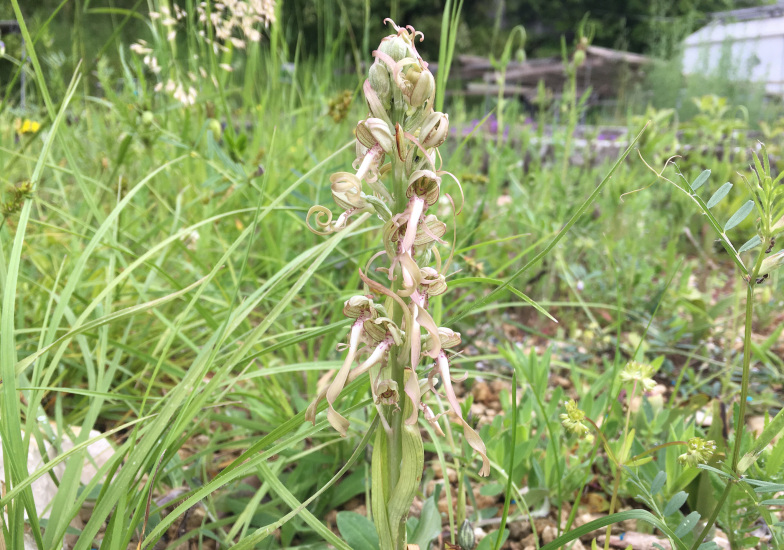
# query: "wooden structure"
[604,71]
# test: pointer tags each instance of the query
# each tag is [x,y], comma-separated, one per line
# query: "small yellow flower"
[27,126]
[639,372]
[698,451]
[573,418]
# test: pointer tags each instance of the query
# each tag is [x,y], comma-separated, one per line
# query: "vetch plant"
[398,177]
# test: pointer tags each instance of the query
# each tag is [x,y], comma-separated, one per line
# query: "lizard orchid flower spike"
[393,337]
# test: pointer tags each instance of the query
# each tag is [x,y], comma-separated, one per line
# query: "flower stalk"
[393,337]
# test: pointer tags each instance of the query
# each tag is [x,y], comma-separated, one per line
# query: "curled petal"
[347,191]
[427,322]
[469,433]
[339,422]
[432,419]
[459,186]
[325,226]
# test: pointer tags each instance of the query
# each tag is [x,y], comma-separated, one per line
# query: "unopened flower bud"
[381,81]
[579,58]
[395,46]
[772,263]
[466,538]
[424,86]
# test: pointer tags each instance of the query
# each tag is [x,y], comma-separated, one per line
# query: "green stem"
[713,516]
[744,388]
[508,497]
[740,424]
[656,448]
[618,471]
[397,373]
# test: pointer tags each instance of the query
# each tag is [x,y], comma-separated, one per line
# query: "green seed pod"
[465,536]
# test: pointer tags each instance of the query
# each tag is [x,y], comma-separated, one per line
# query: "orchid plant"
[393,337]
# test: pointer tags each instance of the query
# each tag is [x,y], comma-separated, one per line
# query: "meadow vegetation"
[621,314]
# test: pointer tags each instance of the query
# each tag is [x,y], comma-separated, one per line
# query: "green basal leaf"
[357,530]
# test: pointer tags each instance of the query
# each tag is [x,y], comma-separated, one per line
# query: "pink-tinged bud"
[375,105]
[434,130]
[381,81]
[395,46]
